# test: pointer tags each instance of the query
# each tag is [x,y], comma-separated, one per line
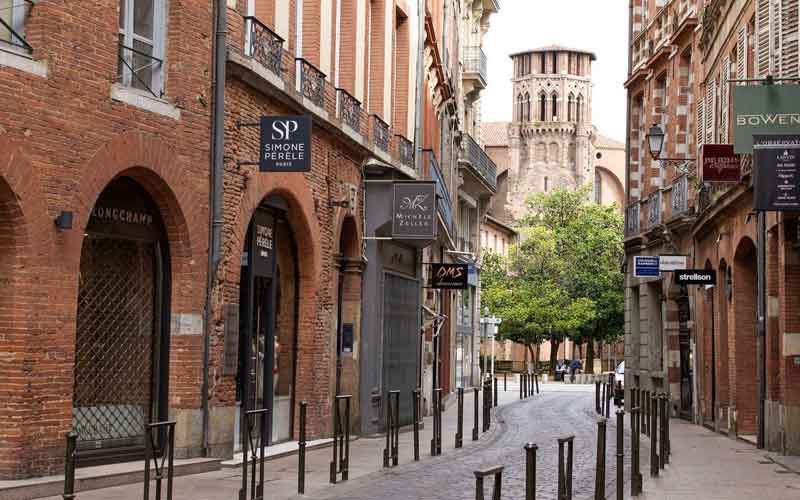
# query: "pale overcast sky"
[600,26]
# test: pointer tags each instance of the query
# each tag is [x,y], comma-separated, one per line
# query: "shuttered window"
[710,111]
[763,37]
[788,54]
[700,121]
[741,53]
[724,100]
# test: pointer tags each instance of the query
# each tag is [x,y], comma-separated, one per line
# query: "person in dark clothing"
[574,366]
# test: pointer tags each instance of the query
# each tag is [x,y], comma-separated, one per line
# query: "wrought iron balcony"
[680,196]
[654,210]
[263,45]
[632,219]
[310,82]
[481,163]
[380,133]
[405,151]
[445,204]
[474,62]
[349,110]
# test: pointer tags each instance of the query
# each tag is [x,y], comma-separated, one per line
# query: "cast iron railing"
[445,205]
[654,210]
[311,82]
[263,45]
[475,62]
[15,36]
[680,195]
[632,219]
[132,74]
[380,133]
[405,151]
[483,166]
[349,110]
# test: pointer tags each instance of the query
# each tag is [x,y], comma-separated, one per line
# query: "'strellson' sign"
[451,276]
[695,277]
[763,110]
[776,171]
[285,144]
[414,210]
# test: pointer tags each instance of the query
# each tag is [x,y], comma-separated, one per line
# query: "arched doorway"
[744,344]
[122,331]
[268,310]
[722,305]
[348,313]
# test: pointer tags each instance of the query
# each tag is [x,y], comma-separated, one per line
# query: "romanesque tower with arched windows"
[550,137]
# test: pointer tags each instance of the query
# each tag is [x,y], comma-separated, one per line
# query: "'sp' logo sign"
[285,144]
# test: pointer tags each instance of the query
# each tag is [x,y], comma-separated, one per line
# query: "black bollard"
[521,393]
[497,472]
[487,404]
[530,471]
[341,439]
[600,466]
[460,421]
[475,404]
[636,476]
[597,396]
[495,391]
[69,467]
[565,468]
[160,437]
[620,454]
[301,450]
[436,440]
[602,397]
[390,453]
[609,395]
[505,381]
[666,433]
[664,412]
[415,410]
[536,379]
[653,429]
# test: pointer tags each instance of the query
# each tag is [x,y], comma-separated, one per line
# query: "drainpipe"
[418,162]
[215,198]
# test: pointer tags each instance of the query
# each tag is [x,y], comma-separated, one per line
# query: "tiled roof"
[494,134]
[603,141]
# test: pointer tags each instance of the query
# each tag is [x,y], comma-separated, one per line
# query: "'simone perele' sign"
[285,144]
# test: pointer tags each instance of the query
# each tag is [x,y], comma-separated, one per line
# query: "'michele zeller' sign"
[764,110]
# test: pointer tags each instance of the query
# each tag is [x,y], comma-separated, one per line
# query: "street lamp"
[655,140]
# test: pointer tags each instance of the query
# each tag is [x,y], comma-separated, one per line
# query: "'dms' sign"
[285,144]
[452,276]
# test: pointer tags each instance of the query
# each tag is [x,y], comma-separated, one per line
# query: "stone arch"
[608,177]
[722,320]
[743,345]
[155,166]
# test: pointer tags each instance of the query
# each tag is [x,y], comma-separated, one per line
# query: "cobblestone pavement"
[540,420]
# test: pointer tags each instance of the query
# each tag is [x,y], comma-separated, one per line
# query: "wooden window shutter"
[789,64]
[724,100]
[710,111]
[763,37]
[741,53]
[700,121]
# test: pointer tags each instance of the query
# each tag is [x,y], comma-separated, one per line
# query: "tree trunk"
[536,359]
[532,356]
[554,344]
[590,356]
[580,351]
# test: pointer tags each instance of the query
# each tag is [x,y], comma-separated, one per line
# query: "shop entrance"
[122,325]
[268,319]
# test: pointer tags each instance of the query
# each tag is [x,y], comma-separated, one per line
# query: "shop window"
[142,26]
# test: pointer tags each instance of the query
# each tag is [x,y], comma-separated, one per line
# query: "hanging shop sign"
[285,144]
[776,171]
[450,276]
[645,266]
[414,210]
[671,262]
[762,110]
[720,163]
[472,275]
[262,247]
[695,277]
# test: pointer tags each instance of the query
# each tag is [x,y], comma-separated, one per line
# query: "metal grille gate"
[116,352]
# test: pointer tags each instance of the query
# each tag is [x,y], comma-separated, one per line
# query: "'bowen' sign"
[285,144]
[764,110]
[414,210]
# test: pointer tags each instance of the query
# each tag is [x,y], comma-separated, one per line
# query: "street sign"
[777,173]
[671,262]
[645,266]
[720,164]
[695,277]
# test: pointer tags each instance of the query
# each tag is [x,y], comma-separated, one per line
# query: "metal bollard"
[666,434]
[565,468]
[415,399]
[647,413]
[69,467]
[653,429]
[602,397]
[475,404]
[436,440]
[497,472]
[636,476]
[530,471]
[609,395]
[620,454]
[597,397]
[663,460]
[460,421]
[600,466]
[390,453]
[495,391]
[301,450]
[487,404]
[520,386]
[159,447]
[341,439]
[536,379]
[505,381]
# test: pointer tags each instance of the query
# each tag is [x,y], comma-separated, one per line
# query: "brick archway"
[26,248]
[743,345]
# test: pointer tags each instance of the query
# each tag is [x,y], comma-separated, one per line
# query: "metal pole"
[761,251]
[505,381]
[600,469]
[597,396]
[475,404]
[460,421]
[653,407]
[635,436]
[620,454]
[415,398]
[530,471]
[495,391]
[662,458]
[69,467]
[301,455]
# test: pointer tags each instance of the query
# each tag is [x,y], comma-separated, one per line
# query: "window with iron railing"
[142,26]
[310,82]
[13,14]
[405,151]
[263,45]
[380,133]
[349,110]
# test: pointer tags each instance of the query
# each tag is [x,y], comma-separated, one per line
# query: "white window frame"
[18,17]
[158,43]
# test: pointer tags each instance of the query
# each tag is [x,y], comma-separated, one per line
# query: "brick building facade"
[709,364]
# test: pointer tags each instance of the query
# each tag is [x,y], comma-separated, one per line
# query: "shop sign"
[645,266]
[414,210]
[695,277]
[776,180]
[450,276]
[671,262]
[262,254]
[472,276]
[285,144]
[720,164]
[124,209]
[762,110]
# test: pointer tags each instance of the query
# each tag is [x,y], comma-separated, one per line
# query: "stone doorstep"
[97,477]
[277,451]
